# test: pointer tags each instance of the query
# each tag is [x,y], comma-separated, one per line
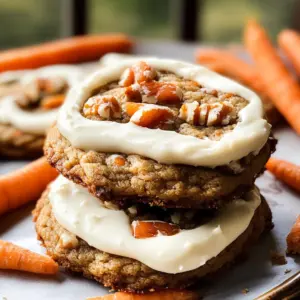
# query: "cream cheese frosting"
[36,122]
[249,135]
[109,230]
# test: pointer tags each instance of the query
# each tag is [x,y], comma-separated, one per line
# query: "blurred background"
[210,21]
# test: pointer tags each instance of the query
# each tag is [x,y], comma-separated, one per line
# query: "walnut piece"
[107,107]
[205,114]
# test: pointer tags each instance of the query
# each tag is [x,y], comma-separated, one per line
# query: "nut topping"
[148,115]
[106,107]
[206,114]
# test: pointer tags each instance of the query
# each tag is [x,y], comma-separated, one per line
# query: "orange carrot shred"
[25,185]
[293,238]
[289,42]
[146,229]
[162,295]
[285,171]
[280,86]
[53,101]
[69,50]
[14,257]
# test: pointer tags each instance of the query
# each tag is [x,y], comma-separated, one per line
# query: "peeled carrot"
[285,171]
[70,50]
[163,295]
[25,185]
[293,238]
[53,101]
[13,257]
[289,42]
[280,86]
[224,62]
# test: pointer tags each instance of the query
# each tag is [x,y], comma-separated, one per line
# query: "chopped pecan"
[106,107]
[155,92]
[138,73]
[147,229]
[127,78]
[148,115]
[143,72]
[206,114]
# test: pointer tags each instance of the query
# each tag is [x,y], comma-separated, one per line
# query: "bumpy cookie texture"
[120,177]
[17,144]
[121,273]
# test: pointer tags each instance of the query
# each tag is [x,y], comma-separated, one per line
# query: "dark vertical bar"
[188,30]
[73,17]
[79,17]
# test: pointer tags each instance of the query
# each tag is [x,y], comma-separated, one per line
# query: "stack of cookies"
[158,160]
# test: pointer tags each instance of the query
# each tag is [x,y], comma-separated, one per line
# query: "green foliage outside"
[24,22]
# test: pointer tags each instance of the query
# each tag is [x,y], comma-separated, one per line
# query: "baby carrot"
[13,257]
[285,171]
[25,185]
[71,50]
[52,101]
[293,238]
[224,62]
[280,86]
[163,295]
[289,42]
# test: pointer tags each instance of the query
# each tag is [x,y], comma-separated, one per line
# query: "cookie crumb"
[245,291]
[277,258]
[287,271]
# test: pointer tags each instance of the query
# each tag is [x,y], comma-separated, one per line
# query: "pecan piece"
[206,114]
[106,107]
[148,115]
[147,229]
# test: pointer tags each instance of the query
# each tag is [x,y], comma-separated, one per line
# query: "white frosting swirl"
[169,147]
[109,230]
[36,122]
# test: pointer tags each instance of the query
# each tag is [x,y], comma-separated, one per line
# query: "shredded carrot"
[14,257]
[285,171]
[147,229]
[25,185]
[53,101]
[70,50]
[280,86]
[163,295]
[293,238]
[289,42]
[224,62]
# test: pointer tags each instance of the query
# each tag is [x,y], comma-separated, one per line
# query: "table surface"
[256,274]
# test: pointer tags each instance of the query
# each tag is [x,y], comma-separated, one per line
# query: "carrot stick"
[13,257]
[25,185]
[53,101]
[279,84]
[289,42]
[285,171]
[224,62]
[163,295]
[293,238]
[70,50]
